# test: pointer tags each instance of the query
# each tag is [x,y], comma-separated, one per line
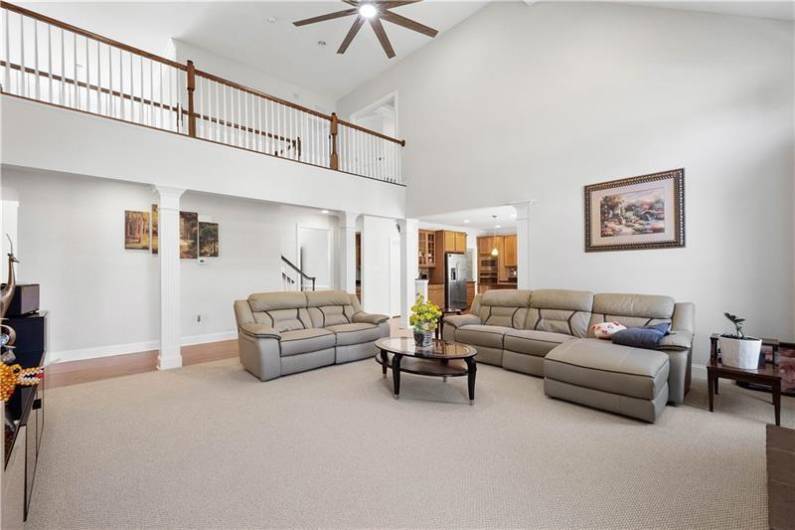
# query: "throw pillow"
[648,337]
[605,330]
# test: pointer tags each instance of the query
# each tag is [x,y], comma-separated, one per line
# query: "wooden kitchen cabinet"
[470,293]
[510,251]
[502,270]
[446,241]
[436,294]
[427,248]
[460,242]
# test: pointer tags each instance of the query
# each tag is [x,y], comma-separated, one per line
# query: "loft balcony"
[48,61]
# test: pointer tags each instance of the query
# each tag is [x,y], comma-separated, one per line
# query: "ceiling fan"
[372,11]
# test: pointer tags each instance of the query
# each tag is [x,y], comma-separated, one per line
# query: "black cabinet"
[25,410]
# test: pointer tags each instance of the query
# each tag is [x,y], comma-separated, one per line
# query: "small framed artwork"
[154,229]
[136,230]
[636,213]
[208,240]
[188,235]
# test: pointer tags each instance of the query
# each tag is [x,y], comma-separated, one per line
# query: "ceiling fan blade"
[407,23]
[357,24]
[323,18]
[382,38]
[389,4]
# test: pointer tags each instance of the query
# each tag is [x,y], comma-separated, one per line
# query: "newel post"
[335,159]
[191,89]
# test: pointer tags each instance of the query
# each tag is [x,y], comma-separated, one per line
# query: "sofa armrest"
[677,341]
[461,320]
[369,318]
[260,331]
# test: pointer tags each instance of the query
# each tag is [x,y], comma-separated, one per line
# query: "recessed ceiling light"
[466,221]
[367,10]
[513,215]
[324,211]
[497,226]
[271,20]
[321,43]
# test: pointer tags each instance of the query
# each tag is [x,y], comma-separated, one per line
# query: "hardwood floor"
[75,372]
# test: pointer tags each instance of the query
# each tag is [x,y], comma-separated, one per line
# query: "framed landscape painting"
[188,235]
[136,230]
[208,240]
[154,229]
[636,213]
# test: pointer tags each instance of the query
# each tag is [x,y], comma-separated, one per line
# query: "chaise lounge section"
[548,333]
[282,333]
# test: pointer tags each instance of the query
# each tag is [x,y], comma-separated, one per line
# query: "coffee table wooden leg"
[472,369]
[777,401]
[710,390]
[396,374]
[384,362]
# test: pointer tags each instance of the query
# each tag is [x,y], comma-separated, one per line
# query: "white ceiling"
[240,30]
[480,218]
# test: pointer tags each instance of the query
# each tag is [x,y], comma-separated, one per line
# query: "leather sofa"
[547,333]
[282,333]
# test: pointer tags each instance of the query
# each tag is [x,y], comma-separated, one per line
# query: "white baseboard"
[132,347]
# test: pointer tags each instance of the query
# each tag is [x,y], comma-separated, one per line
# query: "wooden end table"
[766,375]
[441,359]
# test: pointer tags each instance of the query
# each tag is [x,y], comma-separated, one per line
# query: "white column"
[409,270]
[168,252]
[523,244]
[346,258]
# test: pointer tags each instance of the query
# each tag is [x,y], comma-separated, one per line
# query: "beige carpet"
[209,446]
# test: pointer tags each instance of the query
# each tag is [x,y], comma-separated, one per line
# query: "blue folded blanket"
[646,337]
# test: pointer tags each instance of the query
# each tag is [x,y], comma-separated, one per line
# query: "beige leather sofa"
[286,332]
[547,333]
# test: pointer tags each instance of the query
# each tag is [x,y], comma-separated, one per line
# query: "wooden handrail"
[184,67]
[89,34]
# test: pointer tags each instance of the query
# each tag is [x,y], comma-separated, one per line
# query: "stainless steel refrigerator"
[455,281]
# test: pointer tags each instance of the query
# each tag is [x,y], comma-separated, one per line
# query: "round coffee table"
[440,359]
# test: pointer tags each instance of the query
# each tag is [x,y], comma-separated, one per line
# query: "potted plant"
[737,350]
[424,319]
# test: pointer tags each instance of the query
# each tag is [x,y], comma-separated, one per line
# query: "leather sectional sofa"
[548,333]
[286,332]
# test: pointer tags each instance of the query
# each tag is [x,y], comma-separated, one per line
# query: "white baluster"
[7,82]
[99,81]
[111,105]
[36,57]
[23,78]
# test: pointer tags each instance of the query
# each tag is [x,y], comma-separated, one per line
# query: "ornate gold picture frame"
[644,212]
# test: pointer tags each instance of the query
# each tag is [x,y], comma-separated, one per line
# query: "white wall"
[104,299]
[251,77]
[44,137]
[556,96]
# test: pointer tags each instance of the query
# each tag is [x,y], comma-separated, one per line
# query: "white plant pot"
[740,353]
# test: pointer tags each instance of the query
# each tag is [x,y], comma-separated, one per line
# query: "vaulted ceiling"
[261,34]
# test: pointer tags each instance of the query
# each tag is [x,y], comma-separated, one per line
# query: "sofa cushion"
[357,333]
[504,307]
[306,340]
[481,335]
[328,308]
[602,365]
[532,342]
[648,337]
[560,311]
[631,310]
[285,319]
[280,300]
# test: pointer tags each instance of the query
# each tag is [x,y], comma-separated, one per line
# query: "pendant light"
[494,251]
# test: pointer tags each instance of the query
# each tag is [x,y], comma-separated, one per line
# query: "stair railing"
[301,274]
[50,61]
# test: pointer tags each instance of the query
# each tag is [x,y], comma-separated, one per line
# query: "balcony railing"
[50,61]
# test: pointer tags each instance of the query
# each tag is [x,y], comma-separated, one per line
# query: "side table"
[766,375]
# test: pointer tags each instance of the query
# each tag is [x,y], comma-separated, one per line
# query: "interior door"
[314,251]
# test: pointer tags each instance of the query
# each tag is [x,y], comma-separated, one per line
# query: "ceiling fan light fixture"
[368,10]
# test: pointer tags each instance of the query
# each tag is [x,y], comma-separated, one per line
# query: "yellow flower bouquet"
[424,319]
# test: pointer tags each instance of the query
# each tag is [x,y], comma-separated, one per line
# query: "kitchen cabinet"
[460,242]
[436,294]
[470,293]
[502,270]
[510,251]
[427,249]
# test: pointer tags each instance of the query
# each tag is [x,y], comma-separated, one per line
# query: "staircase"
[294,278]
